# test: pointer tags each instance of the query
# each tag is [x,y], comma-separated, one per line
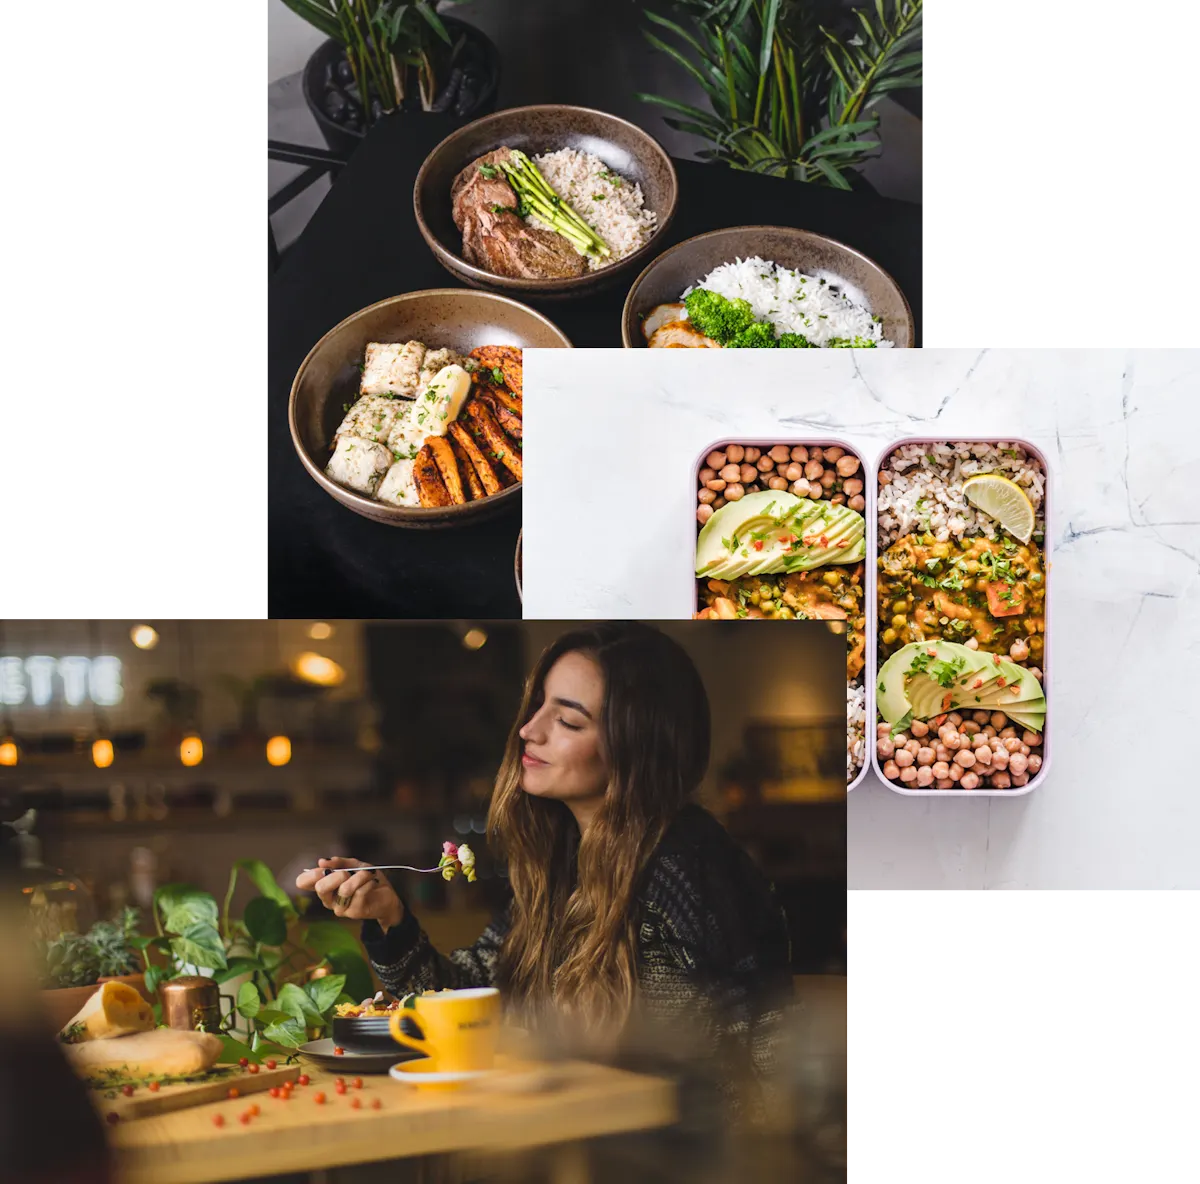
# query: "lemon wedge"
[1003,500]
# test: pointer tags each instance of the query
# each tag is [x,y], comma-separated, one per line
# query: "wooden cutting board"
[215,1088]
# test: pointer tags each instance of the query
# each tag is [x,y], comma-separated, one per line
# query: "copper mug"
[192,1002]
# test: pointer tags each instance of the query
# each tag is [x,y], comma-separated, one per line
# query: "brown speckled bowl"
[442,318]
[668,276]
[624,148]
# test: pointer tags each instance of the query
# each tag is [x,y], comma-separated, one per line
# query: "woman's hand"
[361,896]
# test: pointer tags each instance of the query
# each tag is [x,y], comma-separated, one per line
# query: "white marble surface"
[611,437]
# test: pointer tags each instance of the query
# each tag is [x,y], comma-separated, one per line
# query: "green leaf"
[236,967]
[435,23]
[265,921]
[289,1033]
[233,1050]
[263,879]
[200,945]
[297,1004]
[330,937]
[272,1015]
[770,16]
[182,905]
[357,973]
[324,991]
[149,943]
[153,976]
[249,1001]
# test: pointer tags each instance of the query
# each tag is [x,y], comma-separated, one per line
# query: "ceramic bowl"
[441,317]
[623,147]
[667,277]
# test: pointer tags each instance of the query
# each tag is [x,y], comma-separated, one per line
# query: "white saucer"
[405,1072]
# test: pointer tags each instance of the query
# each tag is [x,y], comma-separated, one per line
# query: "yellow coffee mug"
[460,1028]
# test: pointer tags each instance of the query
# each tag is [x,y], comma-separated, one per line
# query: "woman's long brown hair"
[571,946]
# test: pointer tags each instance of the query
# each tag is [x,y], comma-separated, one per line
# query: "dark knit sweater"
[712,949]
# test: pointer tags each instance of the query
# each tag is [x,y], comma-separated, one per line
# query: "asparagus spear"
[536,196]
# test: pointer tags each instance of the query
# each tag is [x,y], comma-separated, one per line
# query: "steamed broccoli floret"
[851,343]
[717,317]
[794,341]
[759,335]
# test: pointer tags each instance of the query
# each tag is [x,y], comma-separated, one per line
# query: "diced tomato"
[1001,681]
[1005,600]
[947,699]
[758,546]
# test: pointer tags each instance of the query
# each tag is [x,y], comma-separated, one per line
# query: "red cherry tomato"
[358,1083]
[112,1118]
[271,1062]
[127,1090]
[218,1120]
[274,1091]
[244,1118]
[319,1098]
[251,1068]
[339,1052]
[355,1103]
[375,1103]
[255,1110]
[340,1087]
[243,1062]
[303,1079]
[234,1092]
[153,1087]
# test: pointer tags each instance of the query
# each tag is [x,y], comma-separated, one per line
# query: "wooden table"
[299,1135]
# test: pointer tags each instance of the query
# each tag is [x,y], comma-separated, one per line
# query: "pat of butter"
[442,400]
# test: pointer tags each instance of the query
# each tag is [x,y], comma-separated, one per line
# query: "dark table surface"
[362,245]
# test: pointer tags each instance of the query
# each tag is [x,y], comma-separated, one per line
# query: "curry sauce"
[993,590]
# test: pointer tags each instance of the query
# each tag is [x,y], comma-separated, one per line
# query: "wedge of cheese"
[164,1052]
[116,1009]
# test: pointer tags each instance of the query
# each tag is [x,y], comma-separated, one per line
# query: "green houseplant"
[279,1005]
[792,84]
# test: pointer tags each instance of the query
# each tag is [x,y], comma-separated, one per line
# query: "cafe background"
[284,741]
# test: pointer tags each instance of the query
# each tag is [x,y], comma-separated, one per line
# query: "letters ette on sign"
[39,681]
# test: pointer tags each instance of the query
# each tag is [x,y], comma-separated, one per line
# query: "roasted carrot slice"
[475,489]
[508,420]
[487,475]
[1005,600]
[498,445]
[431,489]
[443,455]
[506,359]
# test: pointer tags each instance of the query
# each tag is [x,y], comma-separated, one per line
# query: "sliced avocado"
[724,547]
[834,534]
[1001,694]
[1035,721]
[941,668]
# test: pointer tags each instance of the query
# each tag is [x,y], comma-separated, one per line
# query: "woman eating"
[631,907]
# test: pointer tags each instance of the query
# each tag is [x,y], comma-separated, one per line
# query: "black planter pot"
[343,139]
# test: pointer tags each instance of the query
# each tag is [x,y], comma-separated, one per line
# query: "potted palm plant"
[792,85]
[383,56]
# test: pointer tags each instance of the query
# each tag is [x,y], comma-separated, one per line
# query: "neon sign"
[40,681]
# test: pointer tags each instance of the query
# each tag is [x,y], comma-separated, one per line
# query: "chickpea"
[1019,650]
[943,783]
[1033,739]
[815,454]
[716,460]
[783,467]
[794,471]
[731,473]
[752,454]
[983,756]
[1036,672]
[707,496]
[925,756]
[703,514]
[1000,758]
[828,479]
[968,727]
[780,452]
[747,474]
[924,776]
[1012,745]
[1001,780]
[884,748]
[941,752]
[891,770]
[941,769]
[885,478]
[799,453]
[1034,763]
[1019,779]
[765,464]
[716,483]
[1024,750]
[964,757]
[1018,762]
[969,781]
[833,453]
[908,773]
[813,469]
[883,729]
[913,746]
[848,465]
[838,499]
[899,621]
[800,488]
[853,486]
[954,742]
[901,738]
[919,728]
[815,490]
[954,718]
[1008,733]
[735,453]
[718,503]
[979,740]
[706,475]
[990,733]
[777,483]
[956,772]
[903,758]
[857,502]
[734,492]
[998,719]
[971,643]
[980,717]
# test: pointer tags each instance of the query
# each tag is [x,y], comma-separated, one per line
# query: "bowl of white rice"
[615,176]
[800,284]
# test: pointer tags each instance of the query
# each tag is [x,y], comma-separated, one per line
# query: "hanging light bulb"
[102,753]
[320,631]
[316,668]
[475,639]
[145,637]
[191,750]
[279,751]
[8,752]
